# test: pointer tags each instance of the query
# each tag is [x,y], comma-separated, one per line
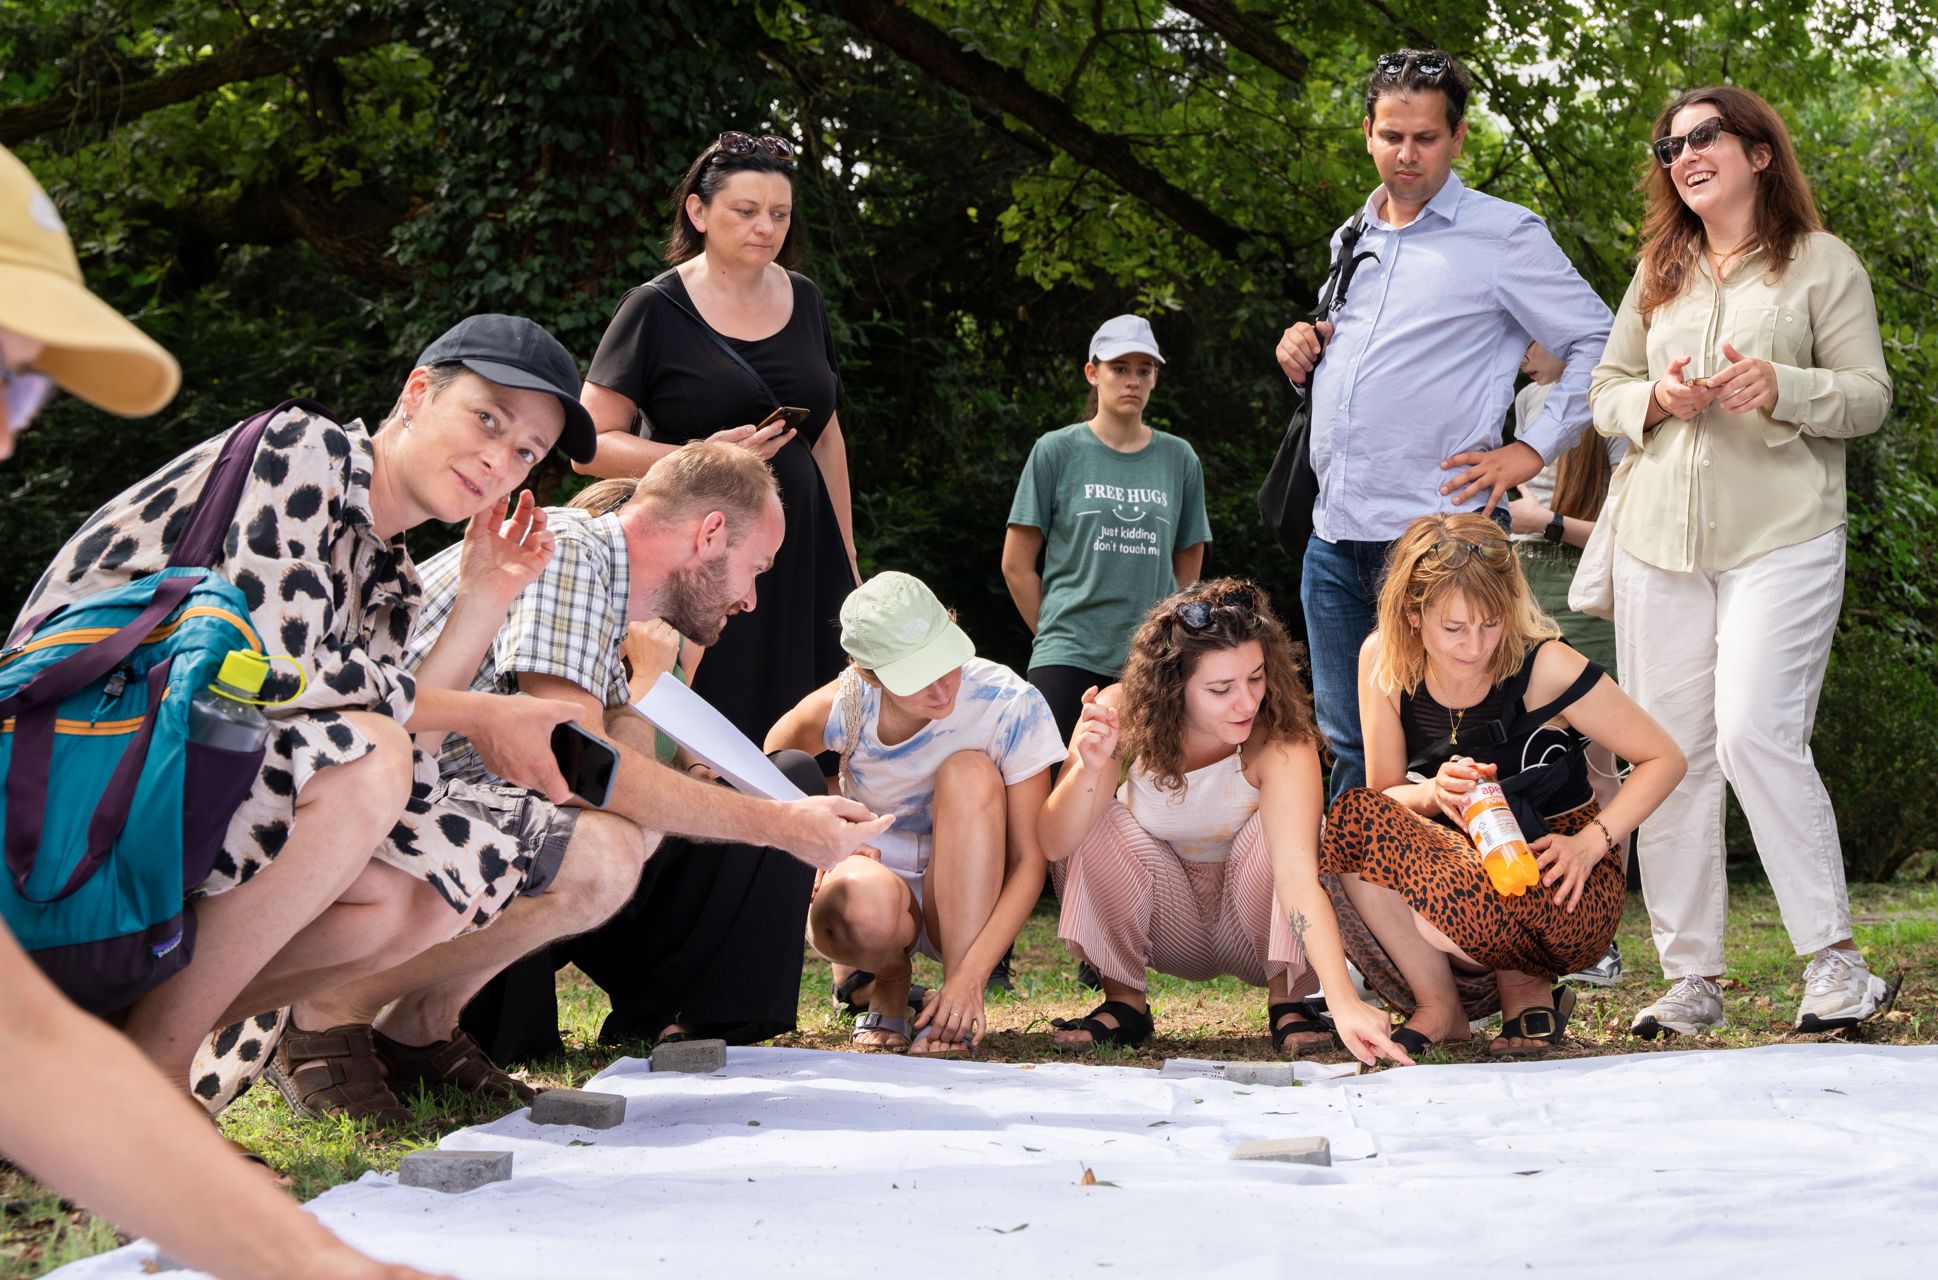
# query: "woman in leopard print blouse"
[335,866]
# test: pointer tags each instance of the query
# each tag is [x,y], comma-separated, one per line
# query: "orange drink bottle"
[1503,850]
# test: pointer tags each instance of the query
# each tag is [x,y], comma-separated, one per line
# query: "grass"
[1896,924]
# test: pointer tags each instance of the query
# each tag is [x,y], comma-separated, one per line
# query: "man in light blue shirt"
[1419,368]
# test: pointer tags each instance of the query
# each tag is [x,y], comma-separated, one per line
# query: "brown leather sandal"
[458,1062]
[334,1072]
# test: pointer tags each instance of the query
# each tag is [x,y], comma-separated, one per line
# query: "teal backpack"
[111,815]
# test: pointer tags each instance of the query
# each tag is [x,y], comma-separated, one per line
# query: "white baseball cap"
[1121,335]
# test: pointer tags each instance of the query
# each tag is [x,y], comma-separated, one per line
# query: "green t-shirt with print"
[1110,524]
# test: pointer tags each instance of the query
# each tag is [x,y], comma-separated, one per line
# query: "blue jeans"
[1340,595]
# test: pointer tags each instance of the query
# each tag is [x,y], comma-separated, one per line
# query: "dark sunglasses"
[1454,552]
[735,143]
[1391,66]
[1196,614]
[27,394]
[1699,139]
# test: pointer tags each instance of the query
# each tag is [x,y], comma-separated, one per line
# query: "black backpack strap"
[1590,676]
[213,512]
[718,340]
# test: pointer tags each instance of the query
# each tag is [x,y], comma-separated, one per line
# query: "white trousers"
[1731,664]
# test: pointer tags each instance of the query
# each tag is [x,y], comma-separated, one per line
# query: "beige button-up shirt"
[1738,485]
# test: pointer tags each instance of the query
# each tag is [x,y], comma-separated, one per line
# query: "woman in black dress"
[710,349]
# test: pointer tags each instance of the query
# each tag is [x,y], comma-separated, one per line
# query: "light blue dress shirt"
[1423,356]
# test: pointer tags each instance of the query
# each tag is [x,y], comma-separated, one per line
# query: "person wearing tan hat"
[213,1212]
[959,750]
[53,331]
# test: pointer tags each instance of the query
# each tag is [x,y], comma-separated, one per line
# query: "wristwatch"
[1556,527]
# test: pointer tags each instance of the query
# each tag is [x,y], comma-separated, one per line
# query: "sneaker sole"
[1810,1024]
[1594,979]
[1648,1028]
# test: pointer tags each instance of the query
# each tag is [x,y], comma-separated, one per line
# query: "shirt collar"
[393,573]
[1446,202]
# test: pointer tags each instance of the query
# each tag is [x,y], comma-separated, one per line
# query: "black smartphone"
[795,417]
[588,762]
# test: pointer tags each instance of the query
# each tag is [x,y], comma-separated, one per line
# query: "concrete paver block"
[453,1171]
[579,1106]
[693,1056]
[1287,1151]
[1274,1074]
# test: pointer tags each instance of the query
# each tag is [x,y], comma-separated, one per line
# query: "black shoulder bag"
[1290,489]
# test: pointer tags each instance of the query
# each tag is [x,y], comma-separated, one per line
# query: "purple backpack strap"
[215,510]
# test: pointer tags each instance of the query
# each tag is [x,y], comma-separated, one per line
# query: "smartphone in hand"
[793,415]
[588,762]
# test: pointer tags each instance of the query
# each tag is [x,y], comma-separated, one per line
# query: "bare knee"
[971,780]
[858,916]
[601,867]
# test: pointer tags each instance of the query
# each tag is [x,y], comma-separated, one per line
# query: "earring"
[407,422]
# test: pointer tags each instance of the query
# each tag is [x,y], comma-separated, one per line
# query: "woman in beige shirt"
[1745,354]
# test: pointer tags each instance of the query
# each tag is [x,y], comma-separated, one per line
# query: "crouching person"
[687,547]
[958,749]
[324,876]
[1464,681]
[1187,820]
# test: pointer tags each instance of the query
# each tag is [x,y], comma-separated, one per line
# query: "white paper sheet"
[686,718]
[1801,1160]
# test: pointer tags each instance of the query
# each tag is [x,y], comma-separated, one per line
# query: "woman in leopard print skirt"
[1446,681]
[336,865]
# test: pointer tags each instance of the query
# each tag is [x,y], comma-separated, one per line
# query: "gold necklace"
[1458,714]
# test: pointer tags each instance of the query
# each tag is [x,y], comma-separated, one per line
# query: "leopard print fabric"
[1438,872]
[325,589]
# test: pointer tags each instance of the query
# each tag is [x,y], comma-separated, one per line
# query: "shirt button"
[1712,524]
[1705,462]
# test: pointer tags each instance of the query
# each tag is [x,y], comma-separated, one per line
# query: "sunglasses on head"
[735,143]
[1454,552]
[1391,66]
[27,394]
[1196,614]
[1698,140]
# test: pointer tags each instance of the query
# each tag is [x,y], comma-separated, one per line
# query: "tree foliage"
[294,195]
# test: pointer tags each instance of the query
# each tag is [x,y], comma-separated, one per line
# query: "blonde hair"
[703,476]
[1424,570]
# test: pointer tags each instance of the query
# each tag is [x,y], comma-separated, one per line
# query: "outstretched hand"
[1365,1031]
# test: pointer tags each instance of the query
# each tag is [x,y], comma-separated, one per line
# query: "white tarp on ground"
[1795,1159]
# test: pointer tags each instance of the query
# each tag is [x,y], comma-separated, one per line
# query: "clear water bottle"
[221,716]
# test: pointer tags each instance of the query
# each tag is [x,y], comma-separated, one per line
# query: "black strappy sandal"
[1307,1023]
[1545,1025]
[1134,1026]
[1414,1042]
[844,993]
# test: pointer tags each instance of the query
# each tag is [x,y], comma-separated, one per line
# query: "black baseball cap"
[514,352]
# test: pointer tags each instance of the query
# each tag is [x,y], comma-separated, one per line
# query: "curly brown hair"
[1165,652]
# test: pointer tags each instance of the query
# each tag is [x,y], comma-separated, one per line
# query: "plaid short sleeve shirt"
[571,623]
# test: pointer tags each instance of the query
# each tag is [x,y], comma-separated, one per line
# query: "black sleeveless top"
[1543,768]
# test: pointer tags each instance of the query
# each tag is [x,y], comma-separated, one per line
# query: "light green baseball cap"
[894,626]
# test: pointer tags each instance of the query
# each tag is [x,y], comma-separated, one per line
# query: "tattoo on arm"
[1299,925]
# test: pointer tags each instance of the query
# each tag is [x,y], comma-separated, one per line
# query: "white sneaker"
[1840,991]
[1692,1006]
[1605,972]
